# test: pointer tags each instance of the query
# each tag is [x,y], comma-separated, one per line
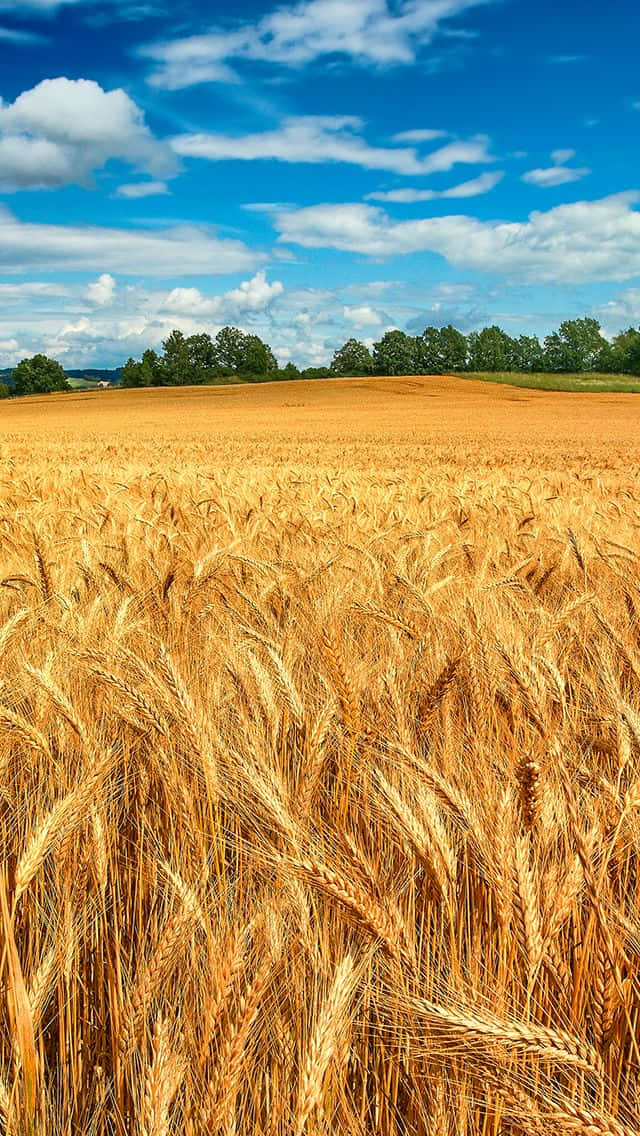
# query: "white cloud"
[418,136]
[362,316]
[620,312]
[254,295]
[63,129]
[557,174]
[84,332]
[16,293]
[473,188]
[320,139]
[403,196]
[584,241]
[142,189]
[559,157]
[181,249]
[476,186]
[101,291]
[370,32]
[472,152]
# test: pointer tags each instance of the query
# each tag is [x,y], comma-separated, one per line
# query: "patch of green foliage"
[39,375]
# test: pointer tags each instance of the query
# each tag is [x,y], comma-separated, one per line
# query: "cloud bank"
[179,250]
[584,241]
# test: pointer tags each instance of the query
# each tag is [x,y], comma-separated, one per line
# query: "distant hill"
[96,374]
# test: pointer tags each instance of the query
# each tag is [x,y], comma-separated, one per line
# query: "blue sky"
[313,170]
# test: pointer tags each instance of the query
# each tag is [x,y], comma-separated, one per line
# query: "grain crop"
[320,761]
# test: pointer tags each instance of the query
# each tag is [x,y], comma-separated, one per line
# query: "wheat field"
[320,752]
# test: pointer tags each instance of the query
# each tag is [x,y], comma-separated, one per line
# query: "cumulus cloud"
[99,324]
[584,241]
[320,139]
[362,316]
[482,184]
[187,249]
[102,290]
[254,295]
[368,32]
[61,130]
[557,174]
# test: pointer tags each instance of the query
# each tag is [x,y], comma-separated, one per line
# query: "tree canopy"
[353,358]
[39,375]
[190,360]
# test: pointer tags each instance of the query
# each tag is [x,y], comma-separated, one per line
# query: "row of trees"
[193,359]
[577,346]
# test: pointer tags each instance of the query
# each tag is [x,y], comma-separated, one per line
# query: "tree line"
[233,355]
[577,346]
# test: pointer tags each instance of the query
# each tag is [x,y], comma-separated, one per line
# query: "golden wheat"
[320,757]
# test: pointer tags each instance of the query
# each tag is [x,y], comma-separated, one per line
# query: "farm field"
[320,740]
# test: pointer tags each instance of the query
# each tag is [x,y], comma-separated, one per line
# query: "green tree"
[177,370]
[559,357]
[439,350]
[428,349]
[230,348]
[395,354]
[353,358]
[586,338]
[316,373]
[131,374]
[454,349]
[575,346]
[528,355]
[290,371]
[258,358]
[4,390]
[151,368]
[202,357]
[490,350]
[623,355]
[39,375]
